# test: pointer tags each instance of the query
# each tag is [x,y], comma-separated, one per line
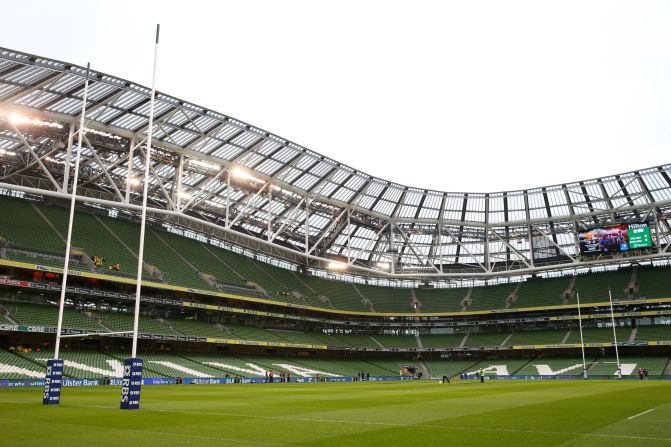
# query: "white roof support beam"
[420,258]
[129,172]
[521,256]
[291,217]
[459,243]
[368,245]
[102,165]
[159,180]
[195,198]
[326,231]
[248,205]
[37,159]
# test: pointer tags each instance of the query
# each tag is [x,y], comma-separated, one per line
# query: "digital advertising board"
[614,238]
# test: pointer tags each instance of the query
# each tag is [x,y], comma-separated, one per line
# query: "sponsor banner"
[587,345]
[372,378]
[574,377]
[82,382]
[647,313]
[7,383]
[206,381]
[131,384]
[263,343]
[115,381]
[159,381]
[53,382]
[14,283]
[14,383]
[24,328]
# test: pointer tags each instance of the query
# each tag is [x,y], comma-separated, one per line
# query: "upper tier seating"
[195,328]
[341,295]
[490,297]
[31,314]
[536,338]
[397,341]
[441,341]
[441,300]
[654,282]
[599,335]
[176,325]
[90,235]
[654,333]
[542,292]
[486,339]
[22,226]
[204,258]
[181,261]
[388,299]
[593,287]
[352,340]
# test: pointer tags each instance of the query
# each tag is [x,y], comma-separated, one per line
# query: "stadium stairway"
[594,287]
[441,299]
[665,367]
[179,275]
[437,341]
[364,301]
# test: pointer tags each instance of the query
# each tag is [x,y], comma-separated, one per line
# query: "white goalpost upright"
[582,340]
[612,319]
[132,371]
[54,375]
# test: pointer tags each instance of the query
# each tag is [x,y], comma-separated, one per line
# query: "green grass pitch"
[496,413]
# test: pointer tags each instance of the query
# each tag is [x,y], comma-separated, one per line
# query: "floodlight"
[337,265]
[245,175]
[17,118]
[383,265]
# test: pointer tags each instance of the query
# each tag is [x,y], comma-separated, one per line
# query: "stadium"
[359,298]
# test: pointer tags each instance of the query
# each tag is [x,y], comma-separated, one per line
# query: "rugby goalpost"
[615,343]
[617,351]
[582,340]
[132,371]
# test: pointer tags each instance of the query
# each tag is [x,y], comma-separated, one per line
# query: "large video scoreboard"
[615,238]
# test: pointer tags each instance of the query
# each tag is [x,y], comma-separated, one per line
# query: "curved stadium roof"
[219,175]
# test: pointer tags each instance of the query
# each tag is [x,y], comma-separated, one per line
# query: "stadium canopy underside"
[220,176]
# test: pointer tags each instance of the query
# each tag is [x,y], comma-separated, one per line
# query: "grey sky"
[456,96]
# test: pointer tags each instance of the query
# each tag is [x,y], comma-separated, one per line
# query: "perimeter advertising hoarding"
[614,238]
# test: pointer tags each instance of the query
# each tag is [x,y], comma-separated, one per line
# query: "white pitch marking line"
[640,414]
[329,421]
[390,424]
